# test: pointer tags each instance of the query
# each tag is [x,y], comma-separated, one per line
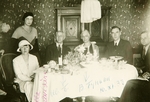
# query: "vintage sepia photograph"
[74,50]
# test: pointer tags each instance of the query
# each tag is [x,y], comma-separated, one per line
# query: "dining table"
[95,79]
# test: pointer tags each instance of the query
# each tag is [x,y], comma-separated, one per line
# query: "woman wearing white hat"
[24,65]
[25,32]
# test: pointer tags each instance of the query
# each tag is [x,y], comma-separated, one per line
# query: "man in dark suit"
[57,50]
[145,41]
[119,47]
[137,90]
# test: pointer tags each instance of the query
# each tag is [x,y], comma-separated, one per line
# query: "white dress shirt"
[116,42]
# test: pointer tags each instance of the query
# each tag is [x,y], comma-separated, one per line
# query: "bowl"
[46,66]
[116,57]
[65,71]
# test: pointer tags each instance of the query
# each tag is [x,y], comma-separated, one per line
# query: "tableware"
[46,66]
[90,64]
[49,69]
[65,71]
[103,60]
[52,64]
[116,57]
[84,64]
[65,62]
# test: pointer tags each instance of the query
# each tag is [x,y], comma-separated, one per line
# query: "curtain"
[90,11]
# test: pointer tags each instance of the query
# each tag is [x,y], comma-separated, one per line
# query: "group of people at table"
[25,40]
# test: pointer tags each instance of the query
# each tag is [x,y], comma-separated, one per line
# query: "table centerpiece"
[78,59]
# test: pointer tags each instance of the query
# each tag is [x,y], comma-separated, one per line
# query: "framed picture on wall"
[71,27]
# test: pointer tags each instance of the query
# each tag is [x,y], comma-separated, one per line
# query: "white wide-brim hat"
[23,43]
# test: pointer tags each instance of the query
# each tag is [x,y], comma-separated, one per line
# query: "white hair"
[85,31]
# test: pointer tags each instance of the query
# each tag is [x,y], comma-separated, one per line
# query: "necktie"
[143,53]
[59,50]
[115,44]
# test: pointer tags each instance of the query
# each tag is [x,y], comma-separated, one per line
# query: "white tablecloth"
[52,87]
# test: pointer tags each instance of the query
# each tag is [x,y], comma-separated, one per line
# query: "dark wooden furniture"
[68,21]
[7,72]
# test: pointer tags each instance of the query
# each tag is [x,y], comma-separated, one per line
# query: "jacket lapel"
[120,43]
[148,51]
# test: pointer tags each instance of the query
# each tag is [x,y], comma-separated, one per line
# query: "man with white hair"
[57,50]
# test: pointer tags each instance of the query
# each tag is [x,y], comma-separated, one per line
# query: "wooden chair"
[136,56]
[6,69]
[138,62]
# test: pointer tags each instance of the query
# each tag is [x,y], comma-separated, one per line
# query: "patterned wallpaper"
[131,15]
[11,12]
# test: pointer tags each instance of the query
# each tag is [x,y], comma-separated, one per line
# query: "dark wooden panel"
[71,27]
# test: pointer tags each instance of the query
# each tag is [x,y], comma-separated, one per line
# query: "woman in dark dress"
[25,32]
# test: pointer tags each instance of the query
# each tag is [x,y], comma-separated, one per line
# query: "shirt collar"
[57,44]
[117,42]
[146,48]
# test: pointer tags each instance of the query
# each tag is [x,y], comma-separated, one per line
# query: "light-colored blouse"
[24,71]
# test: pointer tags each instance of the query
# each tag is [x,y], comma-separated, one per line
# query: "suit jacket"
[136,90]
[52,52]
[123,49]
[147,61]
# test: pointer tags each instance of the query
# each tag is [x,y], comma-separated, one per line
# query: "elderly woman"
[24,65]
[90,47]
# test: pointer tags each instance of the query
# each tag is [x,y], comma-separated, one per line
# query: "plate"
[116,57]
[45,66]
[65,71]
[84,64]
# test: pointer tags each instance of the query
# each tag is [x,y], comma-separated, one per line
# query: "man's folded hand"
[146,75]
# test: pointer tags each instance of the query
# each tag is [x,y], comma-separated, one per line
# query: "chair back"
[6,66]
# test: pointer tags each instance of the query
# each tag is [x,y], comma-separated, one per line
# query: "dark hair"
[113,27]
[26,15]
